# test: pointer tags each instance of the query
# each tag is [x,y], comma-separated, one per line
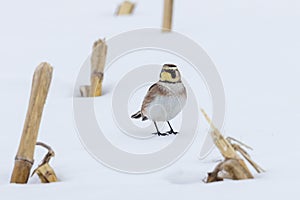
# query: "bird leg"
[158,132]
[171,129]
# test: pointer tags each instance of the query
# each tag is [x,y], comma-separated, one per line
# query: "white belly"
[165,108]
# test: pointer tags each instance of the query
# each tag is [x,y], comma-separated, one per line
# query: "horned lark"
[164,99]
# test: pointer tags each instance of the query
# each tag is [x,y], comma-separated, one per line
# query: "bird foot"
[172,132]
[160,134]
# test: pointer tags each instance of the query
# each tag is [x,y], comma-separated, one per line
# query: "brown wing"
[153,91]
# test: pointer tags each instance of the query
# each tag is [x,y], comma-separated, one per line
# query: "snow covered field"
[255,46]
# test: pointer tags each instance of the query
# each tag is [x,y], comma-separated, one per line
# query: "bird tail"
[138,115]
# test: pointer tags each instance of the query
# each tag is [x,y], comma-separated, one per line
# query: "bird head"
[170,74]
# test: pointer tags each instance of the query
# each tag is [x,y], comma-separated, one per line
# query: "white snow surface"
[255,46]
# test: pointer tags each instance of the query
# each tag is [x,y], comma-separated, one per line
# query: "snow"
[255,46]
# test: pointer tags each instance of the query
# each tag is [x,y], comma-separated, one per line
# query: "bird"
[164,99]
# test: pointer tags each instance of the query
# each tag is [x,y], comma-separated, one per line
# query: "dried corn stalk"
[233,167]
[98,60]
[126,8]
[168,16]
[39,90]
[44,170]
